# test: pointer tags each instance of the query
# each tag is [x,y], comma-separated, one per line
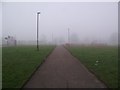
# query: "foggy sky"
[89,20]
[0,22]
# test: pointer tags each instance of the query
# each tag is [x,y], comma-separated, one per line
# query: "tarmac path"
[62,70]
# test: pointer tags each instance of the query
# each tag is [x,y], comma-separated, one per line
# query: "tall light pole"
[52,38]
[38,13]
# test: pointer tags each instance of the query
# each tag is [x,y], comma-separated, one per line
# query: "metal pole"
[37,30]
[52,38]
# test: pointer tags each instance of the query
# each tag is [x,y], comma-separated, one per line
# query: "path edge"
[22,87]
[98,77]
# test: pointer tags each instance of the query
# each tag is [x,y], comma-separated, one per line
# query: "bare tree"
[11,40]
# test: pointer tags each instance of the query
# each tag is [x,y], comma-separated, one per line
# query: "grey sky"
[0,19]
[88,20]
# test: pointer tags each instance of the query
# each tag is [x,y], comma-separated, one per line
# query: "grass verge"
[103,61]
[19,63]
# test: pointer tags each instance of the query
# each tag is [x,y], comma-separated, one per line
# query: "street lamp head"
[38,12]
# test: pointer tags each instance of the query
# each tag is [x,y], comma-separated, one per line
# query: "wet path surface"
[62,70]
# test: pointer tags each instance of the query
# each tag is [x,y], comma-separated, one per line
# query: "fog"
[0,23]
[88,22]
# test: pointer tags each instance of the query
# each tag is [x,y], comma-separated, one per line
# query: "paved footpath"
[62,70]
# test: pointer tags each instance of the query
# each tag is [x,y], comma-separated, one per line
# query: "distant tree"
[74,38]
[6,38]
[11,40]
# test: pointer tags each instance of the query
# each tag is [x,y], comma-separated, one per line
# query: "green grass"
[20,62]
[107,67]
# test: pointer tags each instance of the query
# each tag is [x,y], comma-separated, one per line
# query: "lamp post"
[38,13]
[52,38]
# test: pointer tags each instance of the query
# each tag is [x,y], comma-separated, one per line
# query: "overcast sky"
[88,20]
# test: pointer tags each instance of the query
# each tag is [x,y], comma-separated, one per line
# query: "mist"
[88,22]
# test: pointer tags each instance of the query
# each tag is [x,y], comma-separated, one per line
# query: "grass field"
[106,67]
[19,62]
